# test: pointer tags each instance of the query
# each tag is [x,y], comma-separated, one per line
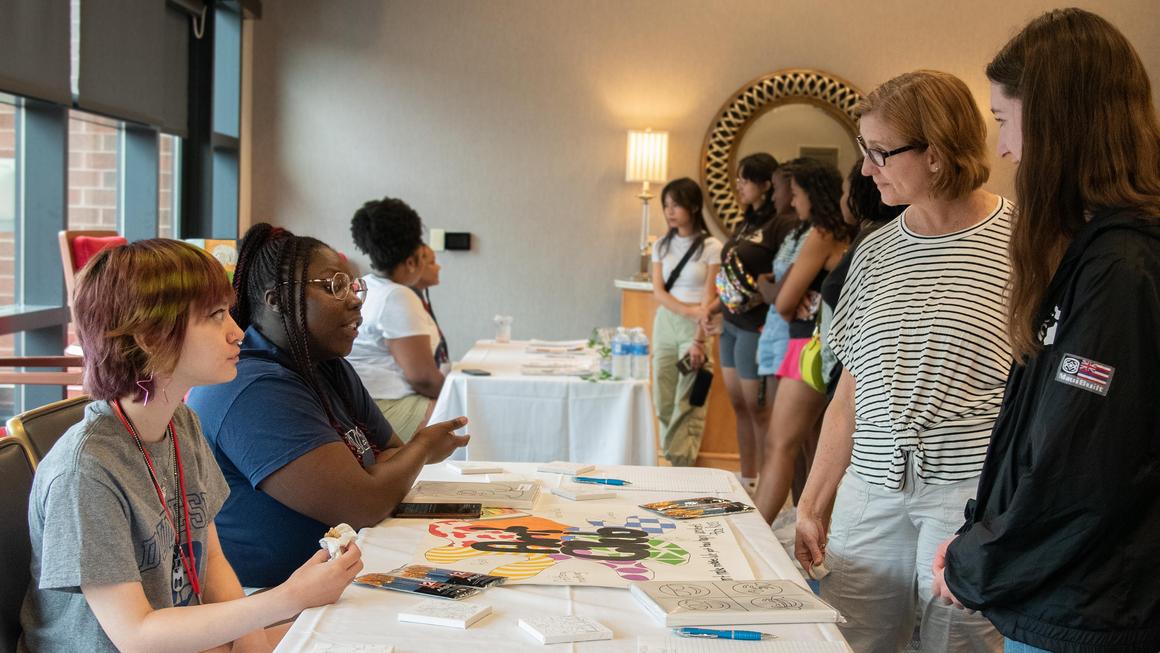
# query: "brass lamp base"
[644,273]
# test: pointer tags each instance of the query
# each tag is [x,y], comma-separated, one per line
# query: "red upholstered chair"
[77,247]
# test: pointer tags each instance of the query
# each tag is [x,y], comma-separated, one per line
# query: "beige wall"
[507,118]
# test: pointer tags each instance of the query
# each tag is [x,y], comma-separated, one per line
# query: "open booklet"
[731,603]
[501,494]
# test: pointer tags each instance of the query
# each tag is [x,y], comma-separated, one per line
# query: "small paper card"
[564,467]
[560,629]
[468,467]
[579,494]
[444,613]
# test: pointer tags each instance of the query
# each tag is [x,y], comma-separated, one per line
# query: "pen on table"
[600,481]
[751,635]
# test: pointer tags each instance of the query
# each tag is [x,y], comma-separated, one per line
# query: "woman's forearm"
[833,454]
[429,383]
[133,625]
[221,585]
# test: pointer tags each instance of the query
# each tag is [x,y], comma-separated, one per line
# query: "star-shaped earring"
[145,385]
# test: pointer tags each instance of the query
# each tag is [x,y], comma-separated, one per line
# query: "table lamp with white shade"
[647,161]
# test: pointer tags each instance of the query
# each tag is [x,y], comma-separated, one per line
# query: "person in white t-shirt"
[684,303]
[397,342]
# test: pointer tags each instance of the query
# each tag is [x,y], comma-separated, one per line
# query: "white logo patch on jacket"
[1085,374]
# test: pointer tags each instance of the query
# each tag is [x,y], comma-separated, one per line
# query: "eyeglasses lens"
[340,285]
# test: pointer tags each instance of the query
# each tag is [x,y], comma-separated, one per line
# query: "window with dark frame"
[85,99]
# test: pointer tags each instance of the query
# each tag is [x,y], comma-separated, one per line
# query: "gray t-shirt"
[95,519]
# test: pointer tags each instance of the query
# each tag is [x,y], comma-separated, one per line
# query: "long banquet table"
[366,620]
[521,417]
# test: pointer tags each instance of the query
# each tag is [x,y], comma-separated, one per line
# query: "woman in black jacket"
[1061,548]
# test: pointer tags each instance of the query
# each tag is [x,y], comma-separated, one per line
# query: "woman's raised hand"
[440,440]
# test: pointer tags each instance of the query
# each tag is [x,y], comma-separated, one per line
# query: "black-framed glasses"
[878,156]
[340,285]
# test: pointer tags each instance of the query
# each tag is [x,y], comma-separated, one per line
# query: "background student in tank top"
[748,253]
[793,424]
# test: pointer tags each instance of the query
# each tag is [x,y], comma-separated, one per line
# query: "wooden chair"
[38,429]
[14,377]
[15,548]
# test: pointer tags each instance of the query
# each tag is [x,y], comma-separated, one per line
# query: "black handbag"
[700,390]
[701,385]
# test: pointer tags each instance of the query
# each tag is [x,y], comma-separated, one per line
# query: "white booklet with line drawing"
[497,494]
[732,603]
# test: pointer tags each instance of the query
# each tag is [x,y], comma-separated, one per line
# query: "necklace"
[182,517]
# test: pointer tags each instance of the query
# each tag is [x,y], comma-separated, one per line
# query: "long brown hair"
[1091,141]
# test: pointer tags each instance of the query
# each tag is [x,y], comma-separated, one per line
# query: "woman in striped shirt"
[919,329]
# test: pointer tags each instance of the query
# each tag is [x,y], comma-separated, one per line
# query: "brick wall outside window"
[92,174]
[166,146]
[92,196]
[7,214]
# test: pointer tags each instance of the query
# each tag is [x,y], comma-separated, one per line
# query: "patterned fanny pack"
[736,286]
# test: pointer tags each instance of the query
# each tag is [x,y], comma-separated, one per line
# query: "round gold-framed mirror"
[794,92]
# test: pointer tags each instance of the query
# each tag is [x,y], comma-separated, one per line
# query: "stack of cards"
[583,494]
[564,467]
[560,629]
[468,467]
[698,507]
[444,613]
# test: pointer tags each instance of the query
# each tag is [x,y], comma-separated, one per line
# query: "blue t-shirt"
[255,425]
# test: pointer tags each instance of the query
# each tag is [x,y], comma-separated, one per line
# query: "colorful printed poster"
[574,546]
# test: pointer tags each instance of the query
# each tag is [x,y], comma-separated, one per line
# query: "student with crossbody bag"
[685,264]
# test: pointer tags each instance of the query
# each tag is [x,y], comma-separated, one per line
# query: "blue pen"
[750,635]
[600,481]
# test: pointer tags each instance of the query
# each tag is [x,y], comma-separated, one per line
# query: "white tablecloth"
[540,418]
[370,616]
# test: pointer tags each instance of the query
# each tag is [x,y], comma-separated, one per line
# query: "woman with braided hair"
[299,439]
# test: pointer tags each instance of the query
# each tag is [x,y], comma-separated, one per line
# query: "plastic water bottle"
[639,354]
[621,354]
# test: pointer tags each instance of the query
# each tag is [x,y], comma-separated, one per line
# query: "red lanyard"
[179,476]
